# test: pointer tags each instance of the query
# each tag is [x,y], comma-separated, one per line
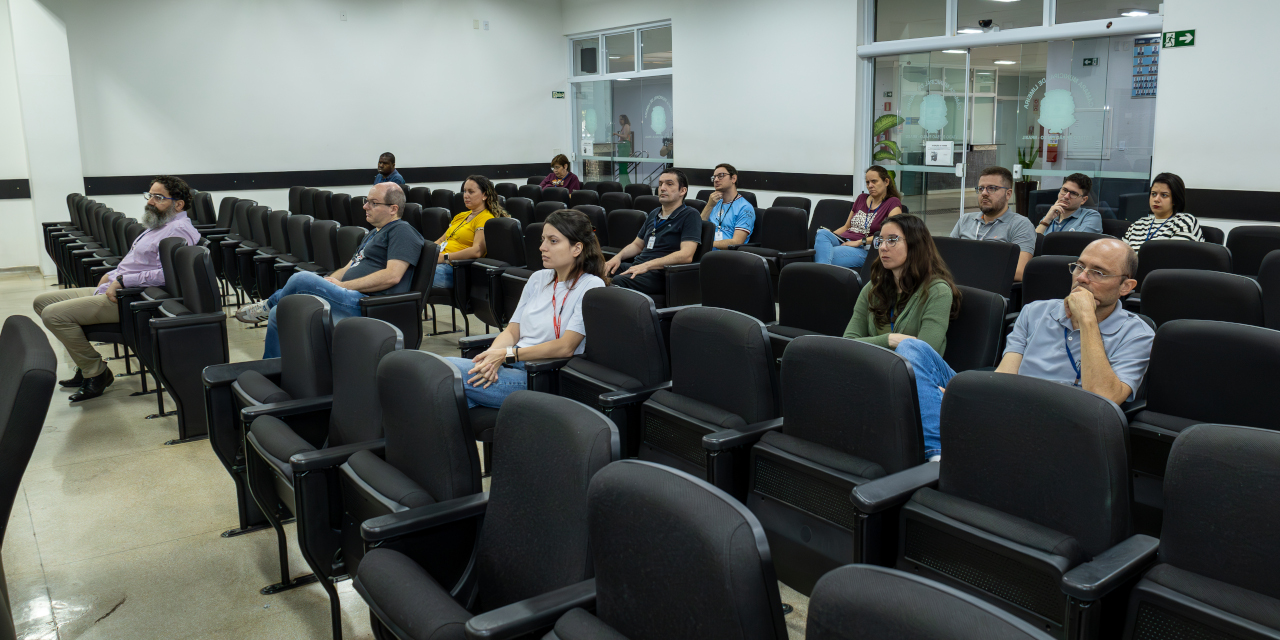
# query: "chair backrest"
[349,241]
[831,213]
[708,240]
[226,211]
[27,377]
[240,218]
[320,205]
[554,194]
[1066,447]
[1176,294]
[258,225]
[591,186]
[652,528]
[750,197]
[442,198]
[583,197]
[1036,198]
[299,229]
[132,232]
[646,203]
[546,208]
[817,297]
[358,345]
[457,204]
[973,337]
[1247,373]
[420,195]
[626,335]
[521,209]
[696,203]
[1115,227]
[1269,280]
[546,450]
[204,213]
[507,190]
[599,220]
[118,229]
[1133,206]
[357,214]
[723,358]
[504,242]
[1069,243]
[1249,245]
[324,244]
[278,230]
[295,200]
[411,212]
[615,200]
[1213,234]
[982,264]
[612,187]
[796,202]
[624,226]
[782,229]
[196,280]
[532,242]
[814,367]
[705,194]
[1229,476]
[168,250]
[306,337]
[530,191]
[435,221]
[1046,278]
[635,190]
[866,602]
[1181,254]
[340,208]
[737,280]
[424,276]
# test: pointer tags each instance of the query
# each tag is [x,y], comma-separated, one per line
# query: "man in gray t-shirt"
[994,220]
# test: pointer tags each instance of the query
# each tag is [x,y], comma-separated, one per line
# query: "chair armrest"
[333,456]
[287,408]
[187,320]
[462,263]
[266,258]
[369,302]
[545,364]
[527,616]
[744,437]
[403,523]
[665,313]
[681,268]
[745,244]
[794,256]
[210,232]
[246,251]
[469,343]
[145,305]
[222,375]
[1133,409]
[624,397]
[894,489]
[1109,569]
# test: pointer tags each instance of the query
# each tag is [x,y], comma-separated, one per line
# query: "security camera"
[985,24]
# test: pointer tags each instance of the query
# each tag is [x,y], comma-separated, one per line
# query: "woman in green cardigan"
[907,305]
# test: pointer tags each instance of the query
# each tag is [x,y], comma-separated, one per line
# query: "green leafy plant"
[1027,159]
[886,149]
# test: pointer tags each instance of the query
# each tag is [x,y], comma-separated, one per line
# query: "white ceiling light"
[1006,0]
[954,51]
[615,57]
[969,30]
[623,79]
[1134,13]
[1005,62]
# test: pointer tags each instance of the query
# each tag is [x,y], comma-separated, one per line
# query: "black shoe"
[73,381]
[93,387]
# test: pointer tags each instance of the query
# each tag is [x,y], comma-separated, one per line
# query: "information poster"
[939,152]
[1146,61]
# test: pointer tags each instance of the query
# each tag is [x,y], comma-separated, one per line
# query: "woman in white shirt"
[547,322]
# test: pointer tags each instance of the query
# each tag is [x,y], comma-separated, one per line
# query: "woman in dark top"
[560,175]
[848,245]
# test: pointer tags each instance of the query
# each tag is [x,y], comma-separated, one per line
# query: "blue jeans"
[931,372]
[444,275]
[510,380]
[829,250]
[343,304]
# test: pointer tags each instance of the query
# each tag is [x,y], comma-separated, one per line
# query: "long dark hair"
[490,195]
[892,190]
[924,265]
[1177,189]
[576,227]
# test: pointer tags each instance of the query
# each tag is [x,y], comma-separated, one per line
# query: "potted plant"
[887,149]
[1023,188]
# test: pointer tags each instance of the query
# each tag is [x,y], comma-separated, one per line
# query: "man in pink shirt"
[67,311]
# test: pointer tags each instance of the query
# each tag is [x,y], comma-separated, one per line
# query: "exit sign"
[557,94]
[1090,62]
[1184,38]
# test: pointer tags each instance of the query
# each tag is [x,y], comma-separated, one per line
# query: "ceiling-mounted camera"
[985,24]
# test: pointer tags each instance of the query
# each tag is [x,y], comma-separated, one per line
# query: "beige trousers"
[64,312]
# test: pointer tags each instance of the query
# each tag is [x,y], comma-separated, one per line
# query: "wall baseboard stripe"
[17,189]
[1233,205]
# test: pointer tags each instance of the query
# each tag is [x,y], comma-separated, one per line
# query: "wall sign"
[939,152]
[557,94]
[1184,38]
[1146,63]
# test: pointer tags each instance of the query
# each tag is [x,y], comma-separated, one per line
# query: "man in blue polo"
[733,216]
[387,170]
[1069,212]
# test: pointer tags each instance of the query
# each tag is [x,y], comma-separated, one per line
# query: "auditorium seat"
[583,197]
[226,246]
[546,208]
[324,249]
[259,243]
[681,283]
[306,203]
[614,201]
[646,203]
[534,180]
[1249,245]
[591,186]
[554,194]
[973,336]
[1133,206]
[624,227]
[1068,243]
[1047,277]
[697,204]
[404,310]
[830,214]
[349,241]
[531,191]
[989,266]
[1269,280]
[1115,228]
[435,223]
[794,201]
[504,246]
[635,190]
[457,204]
[705,194]
[422,196]
[136,308]
[737,281]
[279,267]
[1176,254]
[411,212]
[1213,234]
[442,198]
[521,209]
[1178,294]
[813,299]
[295,200]
[610,186]
[779,238]
[320,205]
[340,209]
[277,251]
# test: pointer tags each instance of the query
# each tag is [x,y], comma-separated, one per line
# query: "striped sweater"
[1179,226]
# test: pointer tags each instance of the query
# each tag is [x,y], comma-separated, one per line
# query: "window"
[1003,14]
[621,50]
[1081,10]
[904,19]
[586,56]
[655,47]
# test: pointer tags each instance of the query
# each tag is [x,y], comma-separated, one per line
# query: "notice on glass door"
[939,152]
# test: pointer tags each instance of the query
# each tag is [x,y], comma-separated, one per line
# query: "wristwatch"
[120,279]
[446,257]
[511,355]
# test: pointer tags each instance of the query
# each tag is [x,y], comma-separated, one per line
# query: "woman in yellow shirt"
[464,239]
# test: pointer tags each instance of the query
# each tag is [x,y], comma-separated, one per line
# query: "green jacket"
[927,321]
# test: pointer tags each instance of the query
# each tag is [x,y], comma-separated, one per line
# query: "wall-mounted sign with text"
[557,94]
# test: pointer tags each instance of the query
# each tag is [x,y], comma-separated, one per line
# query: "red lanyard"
[555,317]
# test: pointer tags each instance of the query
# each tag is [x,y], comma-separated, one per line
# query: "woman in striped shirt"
[1167,220]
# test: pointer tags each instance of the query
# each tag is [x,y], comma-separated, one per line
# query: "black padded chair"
[504,248]
[1176,254]
[306,202]
[421,195]
[705,194]
[813,299]
[442,198]
[612,186]
[615,200]
[780,238]
[521,209]
[546,208]
[27,378]
[349,241]
[645,203]
[797,202]
[591,186]
[1133,206]
[303,371]
[1249,245]
[1269,280]
[636,513]
[295,200]
[865,602]
[624,227]
[138,306]
[1047,278]
[635,189]
[599,221]
[697,204]
[1115,228]
[324,250]
[225,246]
[411,212]
[320,205]
[435,223]
[292,453]
[405,310]
[280,230]
[531,535]
[973,337]
[1189,294]
[531,191]
[830,213]
[1218,561]
[507,190]
[583,197]
[458,204]
[534,180]
[1053,547]
[1068,243]
[1213,234]
[554,194]
[739,281]
[340,209]
[985,265]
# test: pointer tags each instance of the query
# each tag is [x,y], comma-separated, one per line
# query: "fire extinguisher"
[1051,148]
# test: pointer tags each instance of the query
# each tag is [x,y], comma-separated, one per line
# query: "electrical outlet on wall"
[475,24]
[342,16]
[486,25]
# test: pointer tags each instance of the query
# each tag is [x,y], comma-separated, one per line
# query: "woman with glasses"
[561,176]
[908,302]
[848,245]
[464,239]
[1069,212]
[1167,221]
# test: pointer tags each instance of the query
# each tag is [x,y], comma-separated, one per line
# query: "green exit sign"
[1184,38]
[557,94]
[1090,62]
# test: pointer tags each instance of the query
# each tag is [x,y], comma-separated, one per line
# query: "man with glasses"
[1068,213]
[66,312]
[994,221]
[383,265]
[733,216]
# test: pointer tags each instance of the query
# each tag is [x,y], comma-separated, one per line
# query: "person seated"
[383,265]
[387,170]
[67,311]
[670,235]
[1069,212]
[994,221]
[1167,221]
[560,175]
[1087,340]
[848,246]
[909,301]
[733,216]
[547,322]
[464,239]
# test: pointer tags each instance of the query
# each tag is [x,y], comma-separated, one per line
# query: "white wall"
[16,249]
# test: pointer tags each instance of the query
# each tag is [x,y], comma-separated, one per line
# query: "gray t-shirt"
[396,240]
[1010,227]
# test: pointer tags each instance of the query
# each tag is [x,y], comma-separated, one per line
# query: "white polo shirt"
[534,313]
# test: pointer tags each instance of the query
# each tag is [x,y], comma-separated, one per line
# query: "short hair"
[1081,181]
[395,198]
[1130,261]
[177,188]
[560,160]
[1176,188]
[389,155]
[727,167]
[1004,173]
[681,180]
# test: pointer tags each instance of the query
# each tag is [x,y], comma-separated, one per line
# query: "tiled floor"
[115,535]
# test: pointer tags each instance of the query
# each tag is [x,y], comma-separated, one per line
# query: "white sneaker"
[937,458]
[253,313]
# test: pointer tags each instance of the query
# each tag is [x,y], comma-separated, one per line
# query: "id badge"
[652,239]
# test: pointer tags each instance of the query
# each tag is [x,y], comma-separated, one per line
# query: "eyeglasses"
[1091,274]
[374,203]
[992,189]
[719,176]
[149,196]
[892,241]
[1071,193]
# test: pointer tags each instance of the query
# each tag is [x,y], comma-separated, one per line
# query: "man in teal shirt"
[733,216]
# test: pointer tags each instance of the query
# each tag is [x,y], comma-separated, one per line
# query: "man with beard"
[670,235]
[65,312]
[994,221]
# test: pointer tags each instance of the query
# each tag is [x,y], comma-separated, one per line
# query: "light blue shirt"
[1081,219]
[738,214]
[1009,227]
[1037,335]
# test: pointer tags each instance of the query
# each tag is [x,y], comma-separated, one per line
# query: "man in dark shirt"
[670,235]
[387,170]
[383,265]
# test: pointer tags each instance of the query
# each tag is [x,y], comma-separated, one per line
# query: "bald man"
[1087,340]
[383,265]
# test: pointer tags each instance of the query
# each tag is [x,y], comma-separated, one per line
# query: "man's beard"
[988,208]
[153,218]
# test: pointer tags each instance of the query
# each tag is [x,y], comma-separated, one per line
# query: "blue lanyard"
[1054,226]
[891,310]
[1066,334]
[1155,228]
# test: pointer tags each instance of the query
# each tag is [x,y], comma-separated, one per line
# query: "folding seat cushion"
[304,371]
